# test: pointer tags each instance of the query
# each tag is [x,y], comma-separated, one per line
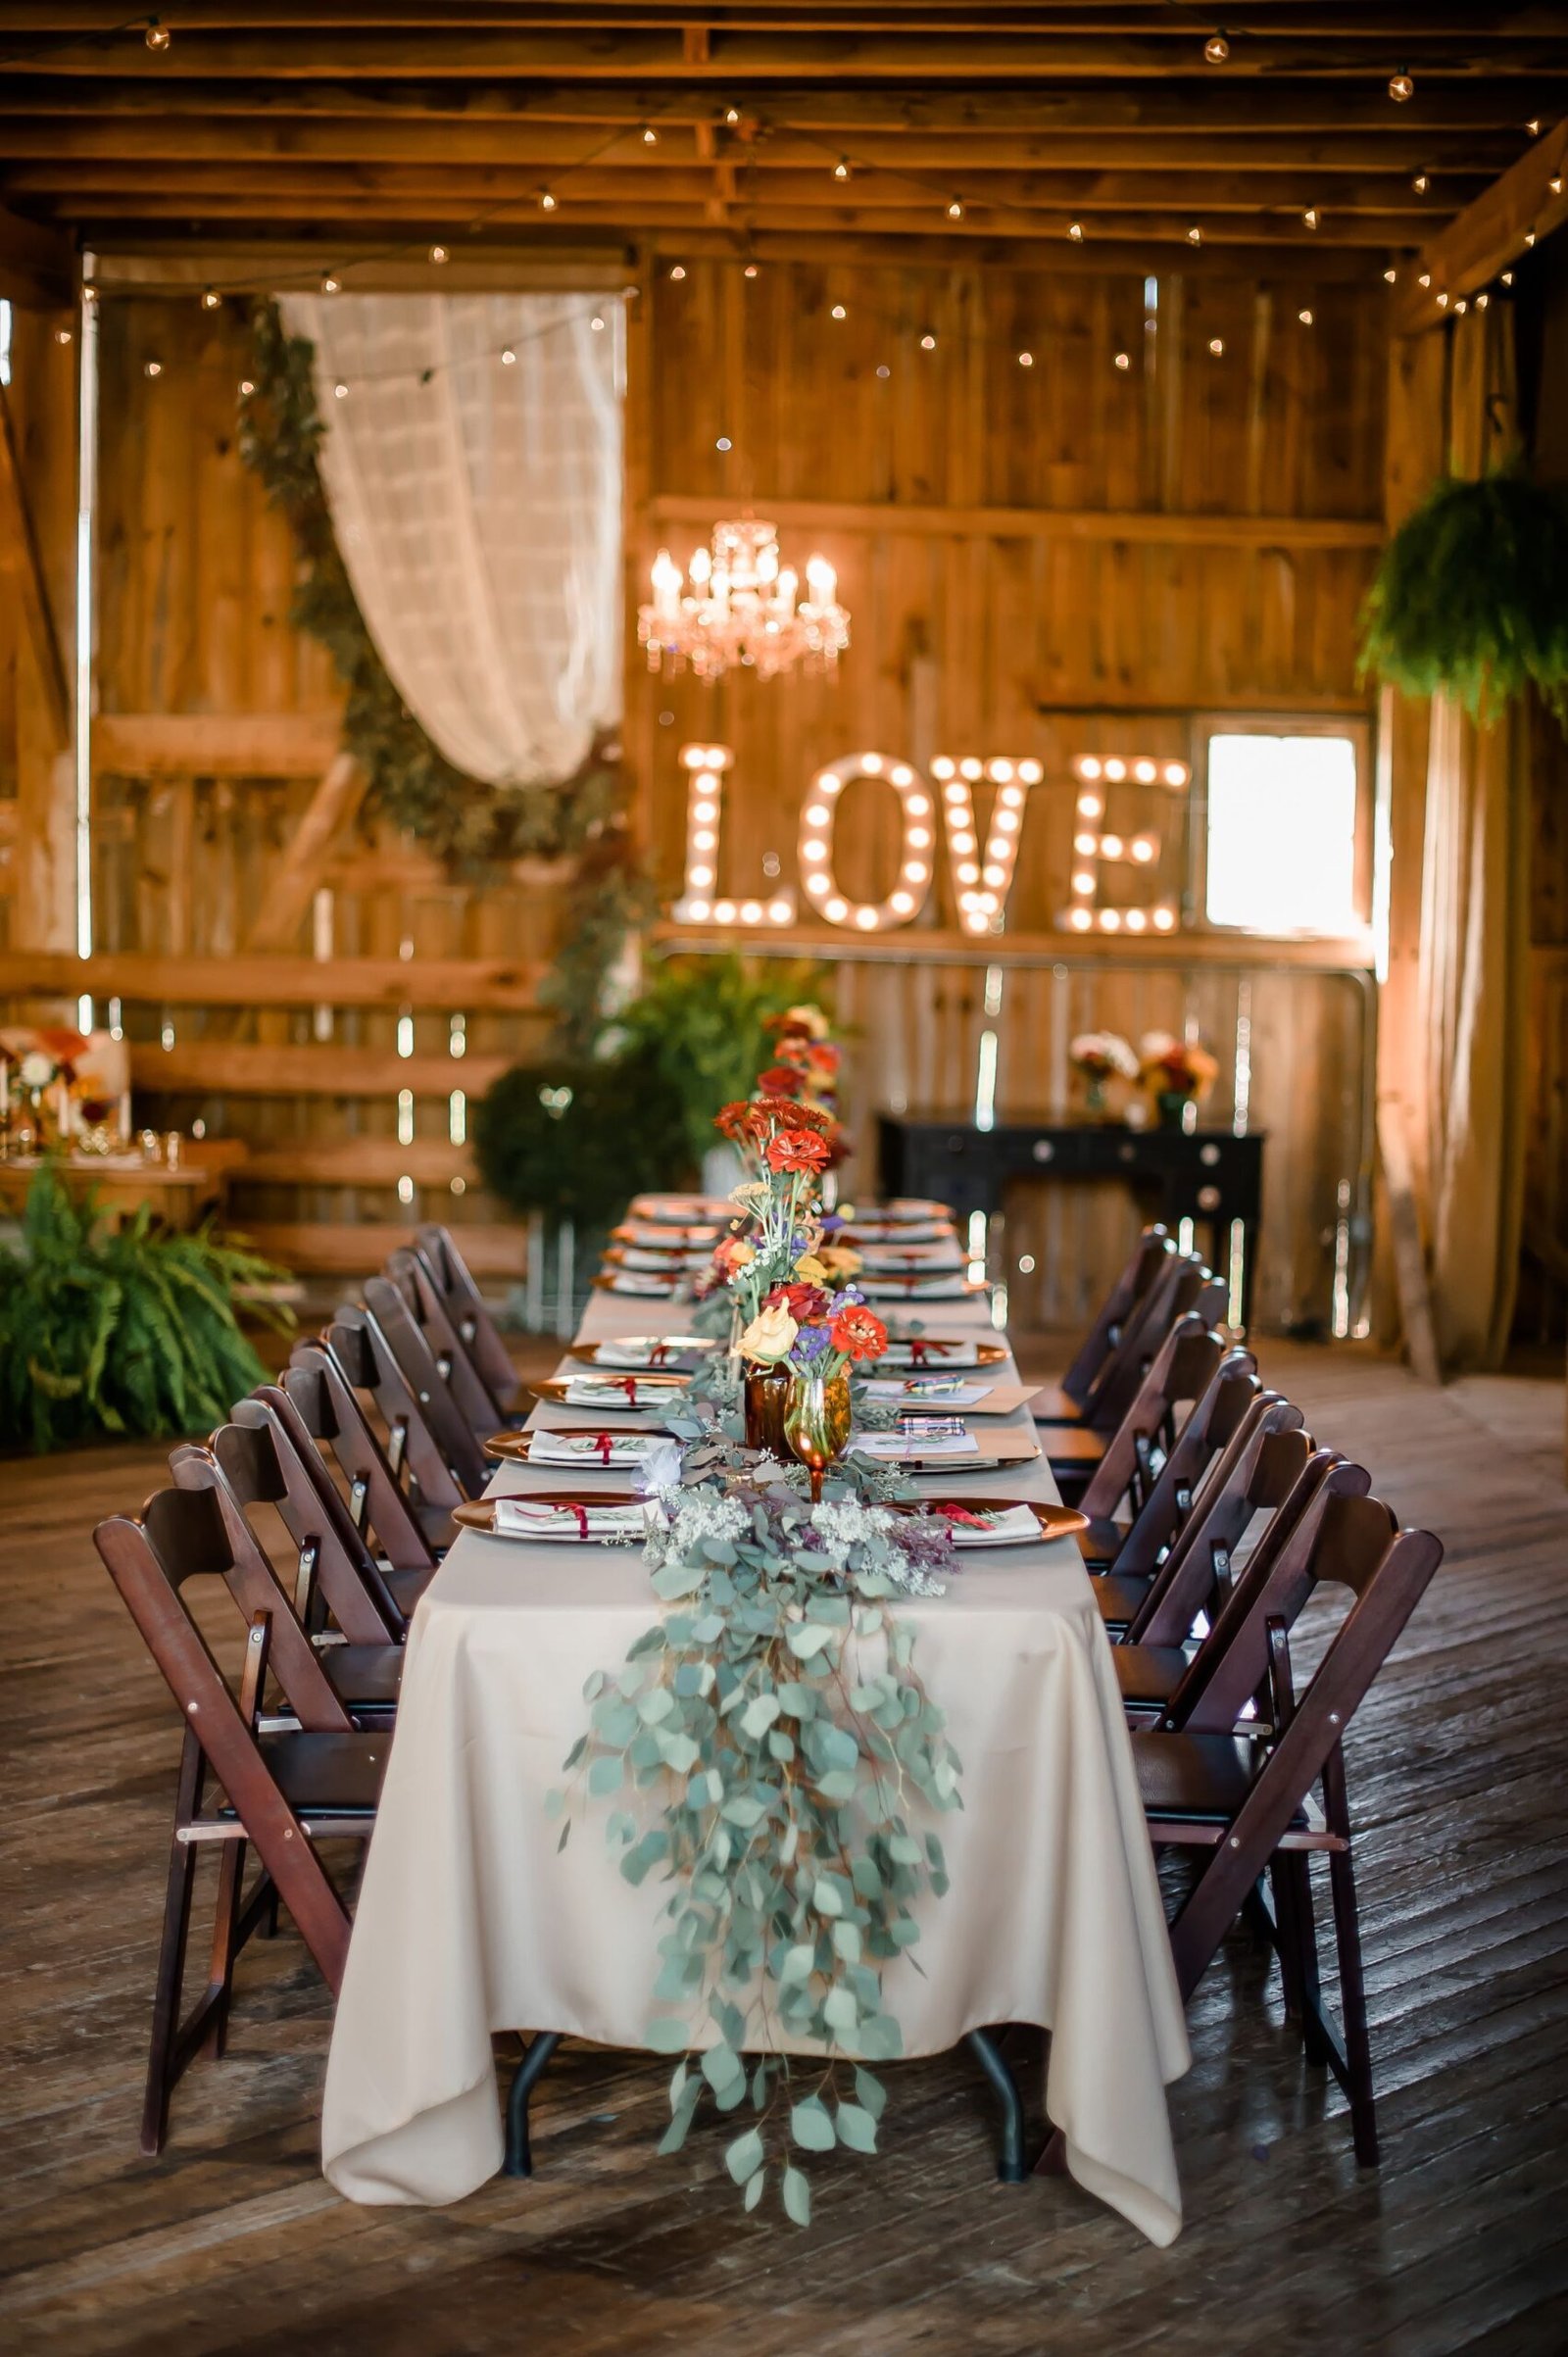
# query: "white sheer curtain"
[477,504]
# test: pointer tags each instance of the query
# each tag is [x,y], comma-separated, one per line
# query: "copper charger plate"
[986,1355]
[552,1389]
[1056,1522]
[697,1347]
[479,1514]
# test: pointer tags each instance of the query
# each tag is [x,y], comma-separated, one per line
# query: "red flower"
[795,1149]
[803,1116]
[822,1056]
[805,1304]
[780,1080]
[858,1332]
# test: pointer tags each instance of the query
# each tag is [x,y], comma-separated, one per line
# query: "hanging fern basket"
[1471,598]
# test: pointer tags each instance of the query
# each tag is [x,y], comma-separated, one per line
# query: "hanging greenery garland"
[1471,596]
[474,828]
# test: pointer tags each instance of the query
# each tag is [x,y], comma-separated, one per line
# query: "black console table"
[1209,1176]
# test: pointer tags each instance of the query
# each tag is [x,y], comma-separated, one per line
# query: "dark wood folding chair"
[362,1662]
[283,1791]
[398,1340]
[1122,1592]
[1137,1547]
[1181,1370]
[1183,1287]
[1063,1403]
[1269,1488]
[319,1390]
[477,1328]
[321,1522]
[475,1403]
[418,1455]
[1245,1806]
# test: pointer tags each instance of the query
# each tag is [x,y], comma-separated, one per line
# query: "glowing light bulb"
[1075,230]
[158,36]
[841,169]
[1194,235]
[956,209]
[836,909]
[1401,86]
[438,252]
[211,298]
[1123,361]
[1216,49]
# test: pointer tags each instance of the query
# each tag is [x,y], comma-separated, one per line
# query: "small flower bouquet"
[1099,1057]
[1176,1073]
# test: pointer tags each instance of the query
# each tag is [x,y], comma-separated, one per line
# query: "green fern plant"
[1471,596]
[125,1330]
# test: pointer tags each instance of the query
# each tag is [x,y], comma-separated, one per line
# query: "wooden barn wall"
[1007,619]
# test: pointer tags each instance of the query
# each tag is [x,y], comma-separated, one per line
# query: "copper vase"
[816,1423]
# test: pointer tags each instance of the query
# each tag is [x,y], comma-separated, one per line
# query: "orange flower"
[802,1116]
[858,1333]
[795,1149]
[780,1080]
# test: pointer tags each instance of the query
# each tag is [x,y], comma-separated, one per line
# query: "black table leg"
[519,2160]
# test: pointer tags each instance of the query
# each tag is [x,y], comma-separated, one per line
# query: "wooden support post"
[288,896]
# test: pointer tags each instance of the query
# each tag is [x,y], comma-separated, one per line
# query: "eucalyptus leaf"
[810,2126]
[797,2196]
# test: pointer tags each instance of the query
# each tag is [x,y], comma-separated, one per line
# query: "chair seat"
[1149,1674]
[1196,1779]
[1050,1404]
[363,1673]
[337,1775]
[1119,1594]
[1072,1444]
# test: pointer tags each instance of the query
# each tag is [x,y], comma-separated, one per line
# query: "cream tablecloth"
[470,1921]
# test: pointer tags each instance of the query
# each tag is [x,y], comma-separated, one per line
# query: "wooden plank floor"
[233,2243]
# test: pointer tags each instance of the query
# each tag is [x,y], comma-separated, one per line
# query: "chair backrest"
[1134,1281]
[420,1460]
[1182,1286]
[1209,1428]
[268,1458]
[471,1396]
[1182,1369]
[328,1406]
[1342,1540]
[454,1281]
[1254,1473]
[399,1341]
[181,1535]
[1336,1537]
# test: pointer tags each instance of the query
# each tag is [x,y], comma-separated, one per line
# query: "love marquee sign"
[937,816]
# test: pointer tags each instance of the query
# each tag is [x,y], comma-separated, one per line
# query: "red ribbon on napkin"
[581,1514]
[604,1442]
[658,1355]
[919,1350]
[628,1385]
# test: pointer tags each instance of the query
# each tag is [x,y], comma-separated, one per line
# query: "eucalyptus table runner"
[471,1920]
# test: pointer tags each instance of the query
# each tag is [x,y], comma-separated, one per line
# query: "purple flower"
[812,1341]
[832,1221]
[849,1293]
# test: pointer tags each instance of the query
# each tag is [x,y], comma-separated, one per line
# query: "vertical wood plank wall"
[975,631]
[992,633]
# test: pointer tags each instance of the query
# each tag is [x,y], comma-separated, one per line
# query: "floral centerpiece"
[1176,1073]
[38,1077]
[1100,1056]
[774,1718]
[818,1336]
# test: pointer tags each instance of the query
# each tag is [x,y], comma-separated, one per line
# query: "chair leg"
[171,1959]
[1287,1931]
[1010,2166]
[1352,2004]
[519,2161]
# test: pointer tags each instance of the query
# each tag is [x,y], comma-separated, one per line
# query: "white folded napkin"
[591,1447]
[898,1445]
[946,1390]
[652,1350]
[639,1255]
[623,1391]
[1010,1526]
[535,1518]
[918,1259]
[631,1280]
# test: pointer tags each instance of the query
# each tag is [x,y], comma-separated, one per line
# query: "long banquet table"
[470,1921]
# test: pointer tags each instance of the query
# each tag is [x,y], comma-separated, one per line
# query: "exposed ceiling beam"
[1490,233]
[150,135]
[736,59]
[1246,19]
[1198,107]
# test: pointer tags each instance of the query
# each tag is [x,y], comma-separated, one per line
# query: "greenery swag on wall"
[1471,596]
[474,828]
[128,1330]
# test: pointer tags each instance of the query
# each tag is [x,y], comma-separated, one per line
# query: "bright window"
[1282,834]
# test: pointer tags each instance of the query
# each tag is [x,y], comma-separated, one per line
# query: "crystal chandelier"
[740,608]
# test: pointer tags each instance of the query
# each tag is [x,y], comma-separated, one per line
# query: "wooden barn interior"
[1103,351]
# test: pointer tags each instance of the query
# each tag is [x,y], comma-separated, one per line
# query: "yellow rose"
[811,1270]
[839,1260]
[770,1337]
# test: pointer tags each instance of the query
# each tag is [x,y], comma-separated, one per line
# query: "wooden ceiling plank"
[39,265]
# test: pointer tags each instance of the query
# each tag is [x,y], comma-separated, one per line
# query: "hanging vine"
[476,829]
